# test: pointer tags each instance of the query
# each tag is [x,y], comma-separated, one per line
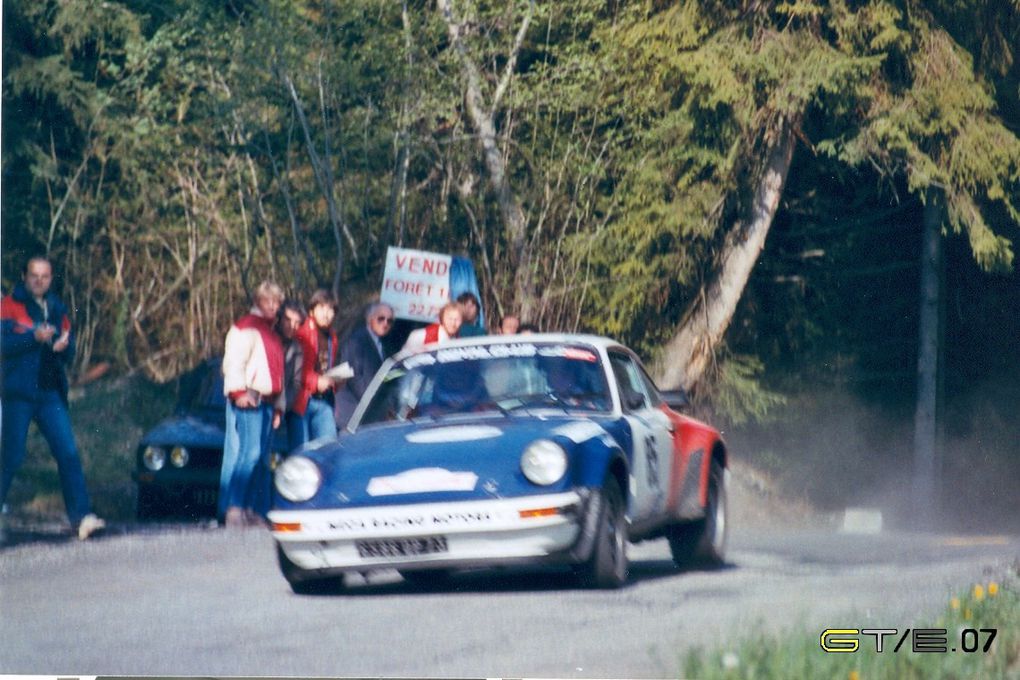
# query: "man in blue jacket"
[35,346]
[365,351]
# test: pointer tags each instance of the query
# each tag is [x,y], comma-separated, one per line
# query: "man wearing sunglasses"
[364,350]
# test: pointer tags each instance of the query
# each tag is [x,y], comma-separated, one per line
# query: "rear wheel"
[607,566]
[302,582]
[703,542]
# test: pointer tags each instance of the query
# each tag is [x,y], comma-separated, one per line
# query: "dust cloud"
[830,450]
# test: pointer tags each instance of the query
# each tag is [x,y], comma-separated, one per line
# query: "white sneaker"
[89,525]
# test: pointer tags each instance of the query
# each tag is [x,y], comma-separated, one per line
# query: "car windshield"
[201,389]
[496,378]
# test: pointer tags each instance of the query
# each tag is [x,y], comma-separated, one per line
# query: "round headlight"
[544,462]
[154,458]
[179,456]
[298,478]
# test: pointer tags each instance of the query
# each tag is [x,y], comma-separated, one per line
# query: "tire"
[703,542]
[607,566]
[427,579]
[303,582]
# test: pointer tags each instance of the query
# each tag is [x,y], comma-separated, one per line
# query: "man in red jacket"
[320,349]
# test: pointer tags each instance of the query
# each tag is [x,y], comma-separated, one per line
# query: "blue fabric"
[297,430]
[22,355]
[463,280]
[320,418]
[359,350]
[245,446]
[50,414]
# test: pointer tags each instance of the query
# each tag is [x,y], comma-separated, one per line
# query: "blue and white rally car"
[503,450]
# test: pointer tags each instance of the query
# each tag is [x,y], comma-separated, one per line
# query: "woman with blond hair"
[450,320]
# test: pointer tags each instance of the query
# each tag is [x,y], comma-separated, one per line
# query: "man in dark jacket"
[364,351]
[36,344]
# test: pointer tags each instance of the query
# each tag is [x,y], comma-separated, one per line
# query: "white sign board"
[416,283]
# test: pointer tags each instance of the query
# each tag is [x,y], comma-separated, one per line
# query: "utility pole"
[926,415]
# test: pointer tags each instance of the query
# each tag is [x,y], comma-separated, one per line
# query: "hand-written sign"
[416,283]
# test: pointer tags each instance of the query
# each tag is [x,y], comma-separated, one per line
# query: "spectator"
[469,307]
[364,351]
[36,345]
[509,325]
[527,329]
[437,333]
[292,316]
[320,348]
[253,368]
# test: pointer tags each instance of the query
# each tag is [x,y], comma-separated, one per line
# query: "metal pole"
[926,414]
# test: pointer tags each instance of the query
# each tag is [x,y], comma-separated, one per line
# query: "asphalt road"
[180,600]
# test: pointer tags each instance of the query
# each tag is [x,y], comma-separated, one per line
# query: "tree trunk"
[687,355]
[483,120]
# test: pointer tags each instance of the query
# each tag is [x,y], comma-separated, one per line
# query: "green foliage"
[160,157]
[798,653]
[738,395]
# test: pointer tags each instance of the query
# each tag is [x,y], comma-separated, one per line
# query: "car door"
[653,438]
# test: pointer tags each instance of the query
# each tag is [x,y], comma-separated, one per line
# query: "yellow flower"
[954,604]
[993,589]
[979,592]
[966,614]
[854,675]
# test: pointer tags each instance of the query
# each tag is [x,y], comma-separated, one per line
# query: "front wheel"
[427,579]
[703,542]
[607,566]
[304,583]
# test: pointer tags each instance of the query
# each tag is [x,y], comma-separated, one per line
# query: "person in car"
[575,383]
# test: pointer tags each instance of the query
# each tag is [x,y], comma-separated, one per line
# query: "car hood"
[448,460]
[186,430]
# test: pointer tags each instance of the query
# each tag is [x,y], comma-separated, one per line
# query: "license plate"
[204,496]
[402,547]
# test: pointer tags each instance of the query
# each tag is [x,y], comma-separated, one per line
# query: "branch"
[511,64]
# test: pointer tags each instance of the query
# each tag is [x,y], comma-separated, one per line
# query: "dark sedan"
[177,464]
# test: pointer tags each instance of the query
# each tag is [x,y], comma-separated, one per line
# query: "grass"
[109,417]
[985,606]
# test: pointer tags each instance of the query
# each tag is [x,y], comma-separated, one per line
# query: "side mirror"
[676,399]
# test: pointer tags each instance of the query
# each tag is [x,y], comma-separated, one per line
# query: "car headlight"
[544,462]
[154,458]
[179,456]
[298,478]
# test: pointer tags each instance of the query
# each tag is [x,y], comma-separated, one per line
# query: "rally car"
[545,449]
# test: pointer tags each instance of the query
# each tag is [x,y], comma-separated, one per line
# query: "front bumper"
[545,528]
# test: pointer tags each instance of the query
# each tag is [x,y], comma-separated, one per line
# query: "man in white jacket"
[252,380]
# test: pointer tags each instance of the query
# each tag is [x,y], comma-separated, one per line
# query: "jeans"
[321,421]
[297,430]
[51,416]
[245,448]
